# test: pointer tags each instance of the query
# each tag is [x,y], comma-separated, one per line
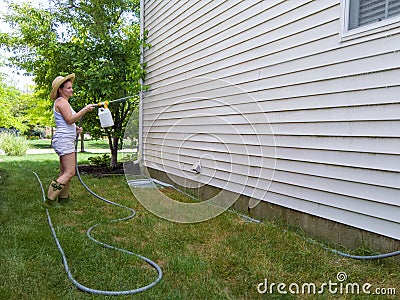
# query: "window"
[364,12]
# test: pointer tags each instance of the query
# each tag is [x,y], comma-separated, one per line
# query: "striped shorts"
[63,146]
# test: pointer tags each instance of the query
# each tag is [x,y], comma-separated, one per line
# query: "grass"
[223,258]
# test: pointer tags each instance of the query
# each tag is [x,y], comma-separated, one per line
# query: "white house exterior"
[290,102]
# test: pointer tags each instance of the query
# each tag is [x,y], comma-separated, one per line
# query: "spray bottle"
[105,115]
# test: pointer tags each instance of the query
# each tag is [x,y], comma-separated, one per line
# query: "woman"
[63,140]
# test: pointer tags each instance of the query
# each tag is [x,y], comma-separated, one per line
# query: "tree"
[17,109]
[98,40]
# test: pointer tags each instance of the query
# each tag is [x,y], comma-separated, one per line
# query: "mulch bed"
[100,171]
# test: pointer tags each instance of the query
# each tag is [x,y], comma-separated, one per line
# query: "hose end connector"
[103,104]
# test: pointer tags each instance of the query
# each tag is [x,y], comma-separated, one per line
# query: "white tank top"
[63,130]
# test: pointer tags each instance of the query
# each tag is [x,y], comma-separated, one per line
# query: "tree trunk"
[113,143]
[114,156]
[82,142]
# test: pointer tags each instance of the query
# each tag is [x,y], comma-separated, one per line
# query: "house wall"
[276,105]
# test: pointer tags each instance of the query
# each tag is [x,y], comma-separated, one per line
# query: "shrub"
[101,160]
[13,145]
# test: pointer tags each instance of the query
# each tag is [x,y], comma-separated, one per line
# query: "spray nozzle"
[103,104]
[105,115]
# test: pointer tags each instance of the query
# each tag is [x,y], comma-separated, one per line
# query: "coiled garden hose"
[64,258]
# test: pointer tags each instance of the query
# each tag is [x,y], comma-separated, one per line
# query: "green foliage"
[14,106]
[100,160]
[98,40]
[39,112]
[13,145]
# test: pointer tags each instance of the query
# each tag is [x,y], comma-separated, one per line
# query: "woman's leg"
[64,194]
[67,165]
[67,171]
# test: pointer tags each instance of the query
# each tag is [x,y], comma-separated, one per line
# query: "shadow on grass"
[40,144]
[88,144]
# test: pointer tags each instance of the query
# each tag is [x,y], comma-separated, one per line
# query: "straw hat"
[59,80]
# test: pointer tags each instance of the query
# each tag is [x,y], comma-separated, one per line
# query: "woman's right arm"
[65,110]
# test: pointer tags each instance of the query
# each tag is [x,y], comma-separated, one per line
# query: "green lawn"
[223,258]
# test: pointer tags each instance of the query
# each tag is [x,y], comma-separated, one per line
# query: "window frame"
[369,31]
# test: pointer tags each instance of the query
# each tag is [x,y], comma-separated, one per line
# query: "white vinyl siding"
[276,107]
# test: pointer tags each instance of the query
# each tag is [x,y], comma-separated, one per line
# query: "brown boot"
[63,196]
[55,189]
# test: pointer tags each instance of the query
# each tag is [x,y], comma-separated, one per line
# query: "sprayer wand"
[105,103]
[105,114]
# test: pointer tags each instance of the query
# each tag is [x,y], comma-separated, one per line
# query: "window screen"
[363,12]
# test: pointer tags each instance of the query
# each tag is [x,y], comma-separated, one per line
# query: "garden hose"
[250,219]
[65,261]
[64,258]
[133,213]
